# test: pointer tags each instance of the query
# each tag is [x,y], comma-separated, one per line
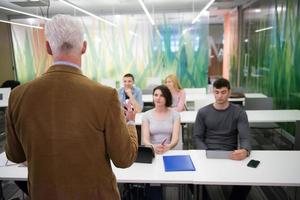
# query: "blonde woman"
[178,93]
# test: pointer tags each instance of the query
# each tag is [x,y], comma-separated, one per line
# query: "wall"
[180,48]
[270,61]
[6,61]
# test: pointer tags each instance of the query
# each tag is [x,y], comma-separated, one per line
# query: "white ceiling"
[117,7]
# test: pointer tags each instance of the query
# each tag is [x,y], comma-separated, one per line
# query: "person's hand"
[161,149]
[128,92]
[239,154]
[129,111]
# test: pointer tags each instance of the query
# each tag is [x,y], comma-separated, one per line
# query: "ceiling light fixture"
[25,13]
[264,29]
[88,13]
[202,11]
[20,24]
[158,33]
[147,12]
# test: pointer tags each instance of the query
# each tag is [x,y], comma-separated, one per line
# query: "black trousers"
[238,192]
[23,186]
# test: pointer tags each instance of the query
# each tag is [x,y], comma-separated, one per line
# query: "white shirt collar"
[66,63]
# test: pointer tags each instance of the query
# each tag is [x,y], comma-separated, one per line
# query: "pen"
[163,143]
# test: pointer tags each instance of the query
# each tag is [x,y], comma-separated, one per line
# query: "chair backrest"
[109,82]
[152,82]
[179,145]
[195,91]
[203,102]
[147,91]
[259,103]
[237,90]
[297,136]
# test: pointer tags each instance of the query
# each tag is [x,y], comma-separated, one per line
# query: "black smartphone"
[253,163]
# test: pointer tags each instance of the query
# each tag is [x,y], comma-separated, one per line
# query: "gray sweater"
[222,129]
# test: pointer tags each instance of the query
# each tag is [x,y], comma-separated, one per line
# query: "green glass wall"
[135,46]
[270,46]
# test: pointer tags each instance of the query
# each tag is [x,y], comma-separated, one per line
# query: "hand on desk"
[161,148]
[239,154]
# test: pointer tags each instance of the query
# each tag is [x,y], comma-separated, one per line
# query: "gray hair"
[64,34]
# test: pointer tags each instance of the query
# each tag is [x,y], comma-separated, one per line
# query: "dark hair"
[129,75]
[166,93]
[221,82]
[10,83]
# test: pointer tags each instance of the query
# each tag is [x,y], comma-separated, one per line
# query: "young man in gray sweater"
[224,126]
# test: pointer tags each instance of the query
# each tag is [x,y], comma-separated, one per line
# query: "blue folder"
[178,163]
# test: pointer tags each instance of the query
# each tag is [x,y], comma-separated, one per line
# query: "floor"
[261,140]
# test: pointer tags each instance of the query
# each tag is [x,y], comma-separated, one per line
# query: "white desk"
[277,168]
[154,173]
[4,95]
[255,95]
[257,116]
[12,171]
[147,98]
[137,173]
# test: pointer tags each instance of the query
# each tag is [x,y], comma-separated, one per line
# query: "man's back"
[69,128]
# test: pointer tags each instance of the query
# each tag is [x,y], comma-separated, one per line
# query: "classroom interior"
[252,43]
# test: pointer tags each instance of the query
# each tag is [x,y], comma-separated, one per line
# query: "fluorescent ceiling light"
[88,13]
[186,30]
[201,12]
[20,24]
[147,12]
[264,29]
[25,13]
[257,10]
[158,33]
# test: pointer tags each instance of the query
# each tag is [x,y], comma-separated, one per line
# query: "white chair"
[179,145]
[4,95]
[153,81]
[261,104]
[203,102]
[195,91]
[109,82]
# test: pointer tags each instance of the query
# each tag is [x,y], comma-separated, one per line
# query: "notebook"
[218,154]
[178,163]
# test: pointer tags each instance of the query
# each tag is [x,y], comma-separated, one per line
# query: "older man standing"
[68,127]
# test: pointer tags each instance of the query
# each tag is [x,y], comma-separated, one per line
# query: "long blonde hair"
[175,81]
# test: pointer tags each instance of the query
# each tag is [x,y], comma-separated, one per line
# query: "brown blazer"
[68,128]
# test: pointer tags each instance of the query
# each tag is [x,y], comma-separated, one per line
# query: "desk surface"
[4,95]
[258,116]
[277,168]
[195,97]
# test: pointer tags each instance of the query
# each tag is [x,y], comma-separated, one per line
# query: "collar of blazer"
[64,68]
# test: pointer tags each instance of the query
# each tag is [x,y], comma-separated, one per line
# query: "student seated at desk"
[178,93]
[131,93]
[161,125]
[224,126]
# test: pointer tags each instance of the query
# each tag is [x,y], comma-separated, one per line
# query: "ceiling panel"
[117,7]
